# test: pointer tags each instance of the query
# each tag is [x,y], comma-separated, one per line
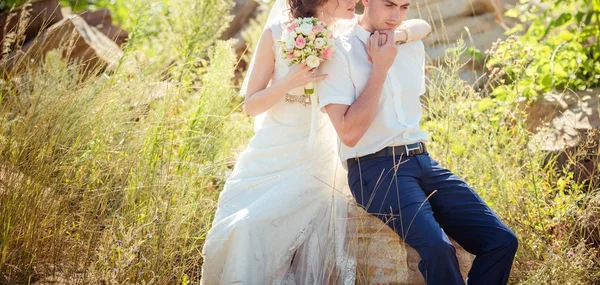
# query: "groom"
[372,97]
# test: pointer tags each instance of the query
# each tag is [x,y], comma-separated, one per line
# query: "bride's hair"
[305,8]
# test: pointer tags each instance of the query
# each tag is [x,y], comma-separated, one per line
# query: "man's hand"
[352,122]
[383,36]
[382,56]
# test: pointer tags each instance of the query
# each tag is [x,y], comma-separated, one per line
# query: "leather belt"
[404,150]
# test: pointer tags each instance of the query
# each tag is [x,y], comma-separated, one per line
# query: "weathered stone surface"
[568,127]
[76,40]
[383,258]
[102,20]
[564,117]
[243,11]
[440,11]
[464,27]
[478,22]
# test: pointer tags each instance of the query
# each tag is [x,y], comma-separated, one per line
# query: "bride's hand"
[301,74]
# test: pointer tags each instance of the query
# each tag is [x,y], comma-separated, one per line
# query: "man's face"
[386,14]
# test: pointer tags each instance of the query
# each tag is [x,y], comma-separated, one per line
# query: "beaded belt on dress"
[306,100]
[300,99]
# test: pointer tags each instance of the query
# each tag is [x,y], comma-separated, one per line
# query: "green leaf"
[459,149]
[566,36]
[512,13]
[500,92]
[547,80]
[588,19]
[516,29]
[562,19]
[485,104]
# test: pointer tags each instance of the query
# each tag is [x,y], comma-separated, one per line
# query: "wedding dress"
[282,216]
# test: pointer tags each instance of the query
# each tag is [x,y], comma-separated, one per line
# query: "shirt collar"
[361,33]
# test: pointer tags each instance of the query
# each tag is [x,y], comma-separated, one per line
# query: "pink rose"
[312,36]
[300,42]
[318,29]
[292,27]
[328,54]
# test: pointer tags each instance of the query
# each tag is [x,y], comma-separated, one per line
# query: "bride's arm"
[259,97]
[417,28]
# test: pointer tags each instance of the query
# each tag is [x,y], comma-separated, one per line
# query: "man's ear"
[366,2]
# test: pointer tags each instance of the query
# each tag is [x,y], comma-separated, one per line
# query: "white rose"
[305,29]
[330,42]
[319,42]
[313,61]
[297,53]
[290,43]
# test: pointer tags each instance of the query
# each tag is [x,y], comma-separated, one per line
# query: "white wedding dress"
[281,218]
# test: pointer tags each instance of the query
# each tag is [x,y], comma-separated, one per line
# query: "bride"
[281,218]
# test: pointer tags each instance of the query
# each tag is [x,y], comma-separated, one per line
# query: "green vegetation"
[558,50]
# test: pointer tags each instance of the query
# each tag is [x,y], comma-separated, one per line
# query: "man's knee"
[508,241]
[435,247]
[441,247]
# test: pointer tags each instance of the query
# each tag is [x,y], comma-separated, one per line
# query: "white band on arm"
[407,32]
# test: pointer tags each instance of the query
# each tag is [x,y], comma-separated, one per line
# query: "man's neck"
[365,24]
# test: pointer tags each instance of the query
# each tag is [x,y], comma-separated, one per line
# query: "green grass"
[114,177]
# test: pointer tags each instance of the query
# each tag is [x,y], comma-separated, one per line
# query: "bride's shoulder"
[342,43]
[343,28]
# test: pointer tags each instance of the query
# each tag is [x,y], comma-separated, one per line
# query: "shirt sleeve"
[417,50]
[423,60]
[338,87]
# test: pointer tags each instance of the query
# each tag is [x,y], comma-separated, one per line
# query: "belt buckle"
[409,150]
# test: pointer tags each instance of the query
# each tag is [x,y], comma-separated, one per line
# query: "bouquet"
[307,40]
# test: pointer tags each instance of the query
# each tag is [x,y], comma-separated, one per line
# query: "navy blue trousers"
[399,197]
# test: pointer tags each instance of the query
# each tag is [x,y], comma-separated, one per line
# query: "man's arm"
[351,122]
[417,28]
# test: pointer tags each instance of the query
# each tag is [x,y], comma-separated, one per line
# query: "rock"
[590,222]
[479,25]
[383,258]
[473,69]
[464,27]
[564,117]
[97,17]
[76,40]
[438,12]
[545,109]
[472,34]
[102,20]
[42,14]
[568,129]
[243,11]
